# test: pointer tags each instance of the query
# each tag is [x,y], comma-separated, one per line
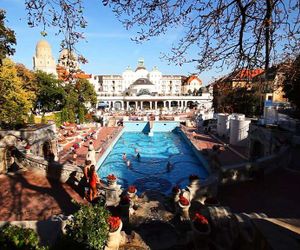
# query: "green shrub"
[58,119]
[71,116]
[64,115]
[81,114]
[14,237]
[89,227]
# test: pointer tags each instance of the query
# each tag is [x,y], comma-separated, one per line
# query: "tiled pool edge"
[195,151]
[210,184]
[108,150]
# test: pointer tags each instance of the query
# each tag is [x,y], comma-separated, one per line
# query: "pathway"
[31,196]
[205,142]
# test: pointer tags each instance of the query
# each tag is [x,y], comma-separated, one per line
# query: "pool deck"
[105,136]
[30,196]
[205,142]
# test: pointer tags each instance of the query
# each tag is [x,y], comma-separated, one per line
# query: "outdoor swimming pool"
[150,172]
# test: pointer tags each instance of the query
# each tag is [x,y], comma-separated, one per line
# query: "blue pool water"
[150,172]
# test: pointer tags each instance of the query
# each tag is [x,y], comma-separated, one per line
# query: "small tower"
[43,59]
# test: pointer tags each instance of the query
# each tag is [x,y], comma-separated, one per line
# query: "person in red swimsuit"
[93,180]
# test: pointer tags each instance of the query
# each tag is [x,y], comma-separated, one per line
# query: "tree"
[86,92]
[7,38]
[15,100]
[226,32]
[81,114]
[28,79]
[51,94]
[291,85]
[64,115]
[239,100]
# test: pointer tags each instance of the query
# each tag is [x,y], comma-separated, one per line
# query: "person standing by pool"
[93,181]
[86,171]
[91,156]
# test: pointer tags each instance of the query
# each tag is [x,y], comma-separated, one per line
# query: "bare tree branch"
[235,33]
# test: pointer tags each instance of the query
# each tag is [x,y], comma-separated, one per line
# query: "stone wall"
[62,172]
[41,138]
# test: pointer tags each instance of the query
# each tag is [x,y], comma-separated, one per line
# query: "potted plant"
[112,180]
[184,205]
[114,234]
[131,191]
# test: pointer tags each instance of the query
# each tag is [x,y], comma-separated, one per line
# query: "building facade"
[112,85]
[142,89]
[191,85]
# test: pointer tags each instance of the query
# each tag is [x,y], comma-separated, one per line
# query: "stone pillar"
[127,105]
[151,105]
[142,105]
[164,104]
[155,104]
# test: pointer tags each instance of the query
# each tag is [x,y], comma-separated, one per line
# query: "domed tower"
[43,59]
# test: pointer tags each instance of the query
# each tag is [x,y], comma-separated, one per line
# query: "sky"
[108,47]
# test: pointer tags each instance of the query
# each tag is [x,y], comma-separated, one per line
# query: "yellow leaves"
[16,100]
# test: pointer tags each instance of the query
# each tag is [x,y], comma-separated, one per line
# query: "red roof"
[246,73]
[188,80]
[63,74]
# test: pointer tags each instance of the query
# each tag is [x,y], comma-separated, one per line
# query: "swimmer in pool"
[138,156]
[124,156]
